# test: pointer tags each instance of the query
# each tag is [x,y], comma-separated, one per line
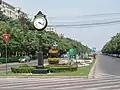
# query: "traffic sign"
[6,37]
[72,52]
[94,49]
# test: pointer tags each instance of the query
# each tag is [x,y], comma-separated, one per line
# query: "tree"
[113,46]
[30,40]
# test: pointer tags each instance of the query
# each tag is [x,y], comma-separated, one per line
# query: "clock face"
[40,23]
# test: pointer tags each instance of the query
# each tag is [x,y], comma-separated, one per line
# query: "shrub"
[9,60]
[60,68]
[22,69]
[34,57]
[53,60]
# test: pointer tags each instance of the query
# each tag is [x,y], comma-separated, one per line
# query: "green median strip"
[81,71]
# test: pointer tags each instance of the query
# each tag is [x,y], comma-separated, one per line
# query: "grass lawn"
[82,71]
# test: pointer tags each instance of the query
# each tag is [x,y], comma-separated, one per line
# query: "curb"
[82,77]
[92,71]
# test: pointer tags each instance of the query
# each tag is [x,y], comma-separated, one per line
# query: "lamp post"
[22,19]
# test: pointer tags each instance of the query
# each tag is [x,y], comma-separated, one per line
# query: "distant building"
[50,29]
[61,35]
[11,11]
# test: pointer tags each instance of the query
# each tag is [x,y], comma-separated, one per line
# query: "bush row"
[9,60]
[52,69]
[14,59]
[22,69]
[55,69]
[53,60]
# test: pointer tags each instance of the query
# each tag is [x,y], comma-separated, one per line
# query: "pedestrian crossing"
[104,75]
[106,83]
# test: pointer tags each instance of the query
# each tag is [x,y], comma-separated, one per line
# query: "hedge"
[53,60]
[14,59]
[61,68]
[9,60]
[22,69]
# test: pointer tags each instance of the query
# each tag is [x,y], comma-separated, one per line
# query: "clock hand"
[40,23]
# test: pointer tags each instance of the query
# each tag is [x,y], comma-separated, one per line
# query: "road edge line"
[82,77]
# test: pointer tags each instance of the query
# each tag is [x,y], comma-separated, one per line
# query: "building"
[54,30]
[50,29]
[61,35]
[11,11]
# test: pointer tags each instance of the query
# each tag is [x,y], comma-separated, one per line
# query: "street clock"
[40,21]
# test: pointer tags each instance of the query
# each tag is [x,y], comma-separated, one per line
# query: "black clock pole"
[40,68]
[40,53]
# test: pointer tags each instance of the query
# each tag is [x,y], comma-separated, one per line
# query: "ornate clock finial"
[39,13]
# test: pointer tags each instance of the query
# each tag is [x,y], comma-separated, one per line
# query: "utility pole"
[23,21]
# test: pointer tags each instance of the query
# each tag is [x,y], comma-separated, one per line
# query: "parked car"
[24,59]
[64,56]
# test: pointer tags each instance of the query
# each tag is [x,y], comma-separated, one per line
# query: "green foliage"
[9,60]
[113,46]
[60,68]
[29,41]
[22,69]
[53,60]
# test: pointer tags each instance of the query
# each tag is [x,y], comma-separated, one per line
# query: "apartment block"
[11,11]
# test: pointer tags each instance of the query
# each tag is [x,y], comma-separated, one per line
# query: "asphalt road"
[107,66]
[9,65]
[59,84]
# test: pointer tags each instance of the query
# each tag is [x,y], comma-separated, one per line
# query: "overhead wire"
[89,15]
[85,24]
[83,21]
[81,25]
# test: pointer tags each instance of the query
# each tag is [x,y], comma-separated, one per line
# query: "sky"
[71,11]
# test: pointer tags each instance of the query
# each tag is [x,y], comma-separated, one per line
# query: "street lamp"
[22,19]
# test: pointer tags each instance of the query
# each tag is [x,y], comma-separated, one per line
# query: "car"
[24,59]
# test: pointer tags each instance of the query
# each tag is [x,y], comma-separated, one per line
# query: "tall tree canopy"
[30,40]
[113,46]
